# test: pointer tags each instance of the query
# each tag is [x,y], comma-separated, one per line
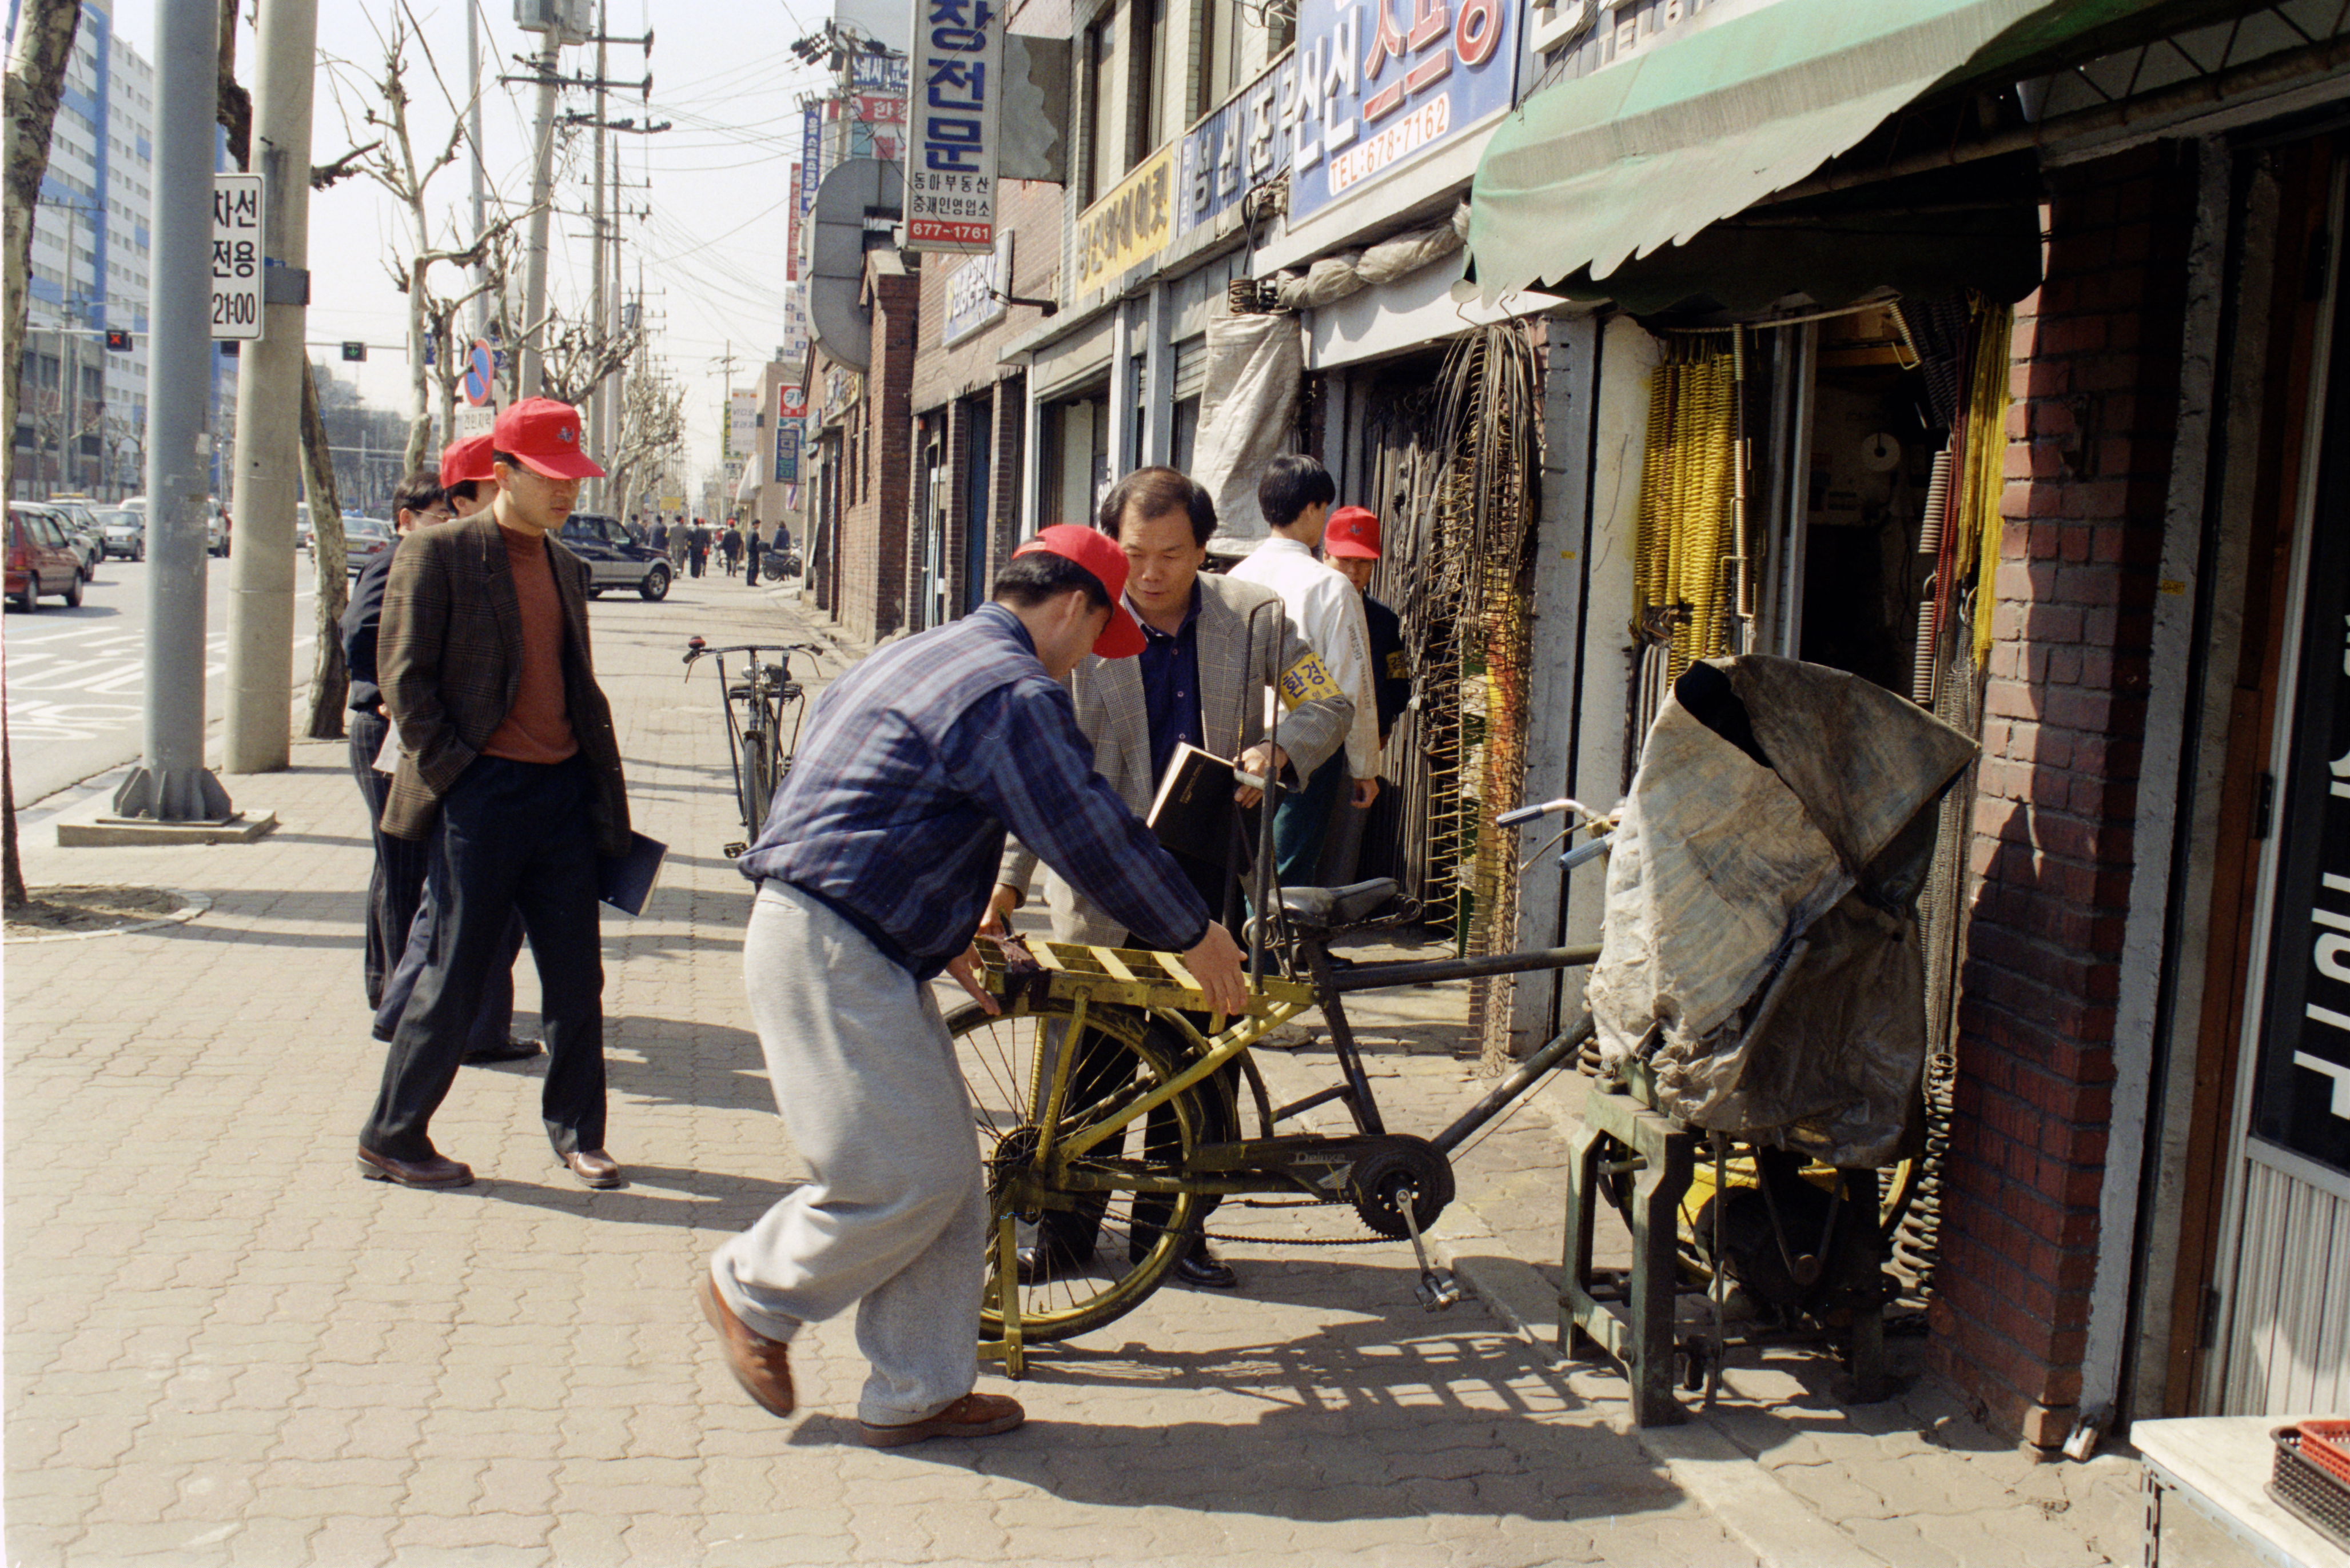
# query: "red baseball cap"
[465,460]
[545,435]
[1098,553]
[1352,530]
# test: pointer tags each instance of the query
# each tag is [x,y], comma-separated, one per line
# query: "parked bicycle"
[1100,1092]
[1137,1125]
[756,702]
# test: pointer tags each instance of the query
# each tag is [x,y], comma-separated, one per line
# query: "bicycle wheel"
[758,783]
[1007,1062]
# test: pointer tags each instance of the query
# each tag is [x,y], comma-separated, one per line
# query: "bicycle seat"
[1324,909]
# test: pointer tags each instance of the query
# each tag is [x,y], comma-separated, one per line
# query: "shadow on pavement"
[696,1199]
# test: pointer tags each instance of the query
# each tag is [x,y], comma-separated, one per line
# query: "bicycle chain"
[1299,1241]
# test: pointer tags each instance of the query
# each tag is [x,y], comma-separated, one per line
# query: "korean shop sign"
[1379,84]
[236,255]
[1241,145]
[975,292]
[1126,227]
[951,97]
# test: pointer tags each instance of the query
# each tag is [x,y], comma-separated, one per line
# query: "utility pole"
[258,729]
[474,115]
[595,242]
[170,782]
[542,183]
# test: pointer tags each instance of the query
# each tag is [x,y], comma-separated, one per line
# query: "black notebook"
[1194,812]
[626,881]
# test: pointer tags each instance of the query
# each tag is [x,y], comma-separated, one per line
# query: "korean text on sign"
[236,255]
[951,97]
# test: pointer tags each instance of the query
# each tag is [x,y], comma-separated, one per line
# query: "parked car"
[365,538]
[304,533]
[81,522]
[123,533]
[42,559]
[612,561]
[215,522]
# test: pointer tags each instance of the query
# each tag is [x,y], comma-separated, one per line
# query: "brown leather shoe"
[762,1365]
[972,1415]
[434,1170]
[593,1166]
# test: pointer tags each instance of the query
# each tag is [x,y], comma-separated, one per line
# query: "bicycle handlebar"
[695,651]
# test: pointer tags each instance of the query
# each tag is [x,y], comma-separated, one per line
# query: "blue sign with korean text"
[1374,86]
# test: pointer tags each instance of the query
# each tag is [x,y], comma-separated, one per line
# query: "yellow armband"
[1308,681]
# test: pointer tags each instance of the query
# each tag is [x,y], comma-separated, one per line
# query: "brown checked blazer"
[1245,642]
[449,659]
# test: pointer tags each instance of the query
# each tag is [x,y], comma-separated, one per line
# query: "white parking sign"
[236,255]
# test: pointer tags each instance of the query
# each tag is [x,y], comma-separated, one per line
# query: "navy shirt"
[1170,667]
[1390,665]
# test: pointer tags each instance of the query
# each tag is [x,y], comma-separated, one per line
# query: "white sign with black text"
[236,255]
[951,97]
[976,290]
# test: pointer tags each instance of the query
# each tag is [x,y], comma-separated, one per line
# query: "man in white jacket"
[1294,496]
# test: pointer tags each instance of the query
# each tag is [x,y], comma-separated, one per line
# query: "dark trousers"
[398,879]
[492,1020]
[512,838]
[701,553]
[395,946]
[1303,820]
[751,573]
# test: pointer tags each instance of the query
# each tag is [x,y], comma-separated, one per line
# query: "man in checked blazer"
[509,764]
[1213,646]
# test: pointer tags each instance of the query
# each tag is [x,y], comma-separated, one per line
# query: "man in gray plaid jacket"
[1213,647]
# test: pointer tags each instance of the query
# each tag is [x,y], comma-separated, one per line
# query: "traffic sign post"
[481,374]
[236,256]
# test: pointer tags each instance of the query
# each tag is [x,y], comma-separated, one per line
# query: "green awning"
[1604,168]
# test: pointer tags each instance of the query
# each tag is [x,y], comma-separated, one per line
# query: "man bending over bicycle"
[873,869]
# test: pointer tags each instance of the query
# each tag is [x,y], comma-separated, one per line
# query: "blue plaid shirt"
[915,763]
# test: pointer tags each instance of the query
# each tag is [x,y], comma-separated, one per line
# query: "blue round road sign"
[481,373]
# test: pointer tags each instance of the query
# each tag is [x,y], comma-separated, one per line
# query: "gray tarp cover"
[1761,921]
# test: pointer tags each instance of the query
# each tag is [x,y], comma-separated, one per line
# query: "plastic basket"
[2326,1445]
[2316,1496]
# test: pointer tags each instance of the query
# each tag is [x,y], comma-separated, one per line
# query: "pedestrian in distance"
[751,551]
[510,761]
[698,545]
[1350,544]
[730,545]
[469,482]
[661,537]
[1295,495]
[873,871]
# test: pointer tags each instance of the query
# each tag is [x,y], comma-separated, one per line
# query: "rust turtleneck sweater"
[538,728]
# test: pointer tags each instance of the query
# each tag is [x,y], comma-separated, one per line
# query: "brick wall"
[873,513]
[2095,384]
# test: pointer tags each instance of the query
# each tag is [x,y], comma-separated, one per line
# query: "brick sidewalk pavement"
[224,1347]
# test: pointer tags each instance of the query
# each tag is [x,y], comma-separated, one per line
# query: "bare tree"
[397,163]
[37,74]
[653,429]
[579,354]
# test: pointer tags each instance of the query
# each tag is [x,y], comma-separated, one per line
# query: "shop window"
[1183,438]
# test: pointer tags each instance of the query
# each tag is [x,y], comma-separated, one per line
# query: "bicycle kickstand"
[1438,1289]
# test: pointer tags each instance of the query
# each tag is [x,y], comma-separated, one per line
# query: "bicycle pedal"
[1438,1291]
[734,851]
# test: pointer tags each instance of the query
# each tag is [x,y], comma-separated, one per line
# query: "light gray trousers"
[893,1217]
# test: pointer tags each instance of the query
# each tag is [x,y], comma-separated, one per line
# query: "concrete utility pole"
[269,401]
[170,782]
[596,247]
[474,135]
[542,185]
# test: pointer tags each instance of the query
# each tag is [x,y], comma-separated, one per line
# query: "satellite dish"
[857,209]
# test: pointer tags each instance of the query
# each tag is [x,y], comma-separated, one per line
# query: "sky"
[715,188]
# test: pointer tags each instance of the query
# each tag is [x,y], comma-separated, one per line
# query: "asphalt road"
[76,678]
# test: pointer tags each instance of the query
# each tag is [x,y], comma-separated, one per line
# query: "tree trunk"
[419,379]
[331,682]
[36,72]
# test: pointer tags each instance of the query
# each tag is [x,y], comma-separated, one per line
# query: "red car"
[41,557]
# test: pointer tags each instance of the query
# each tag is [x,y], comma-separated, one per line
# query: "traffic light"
[354,353]
[118,340]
